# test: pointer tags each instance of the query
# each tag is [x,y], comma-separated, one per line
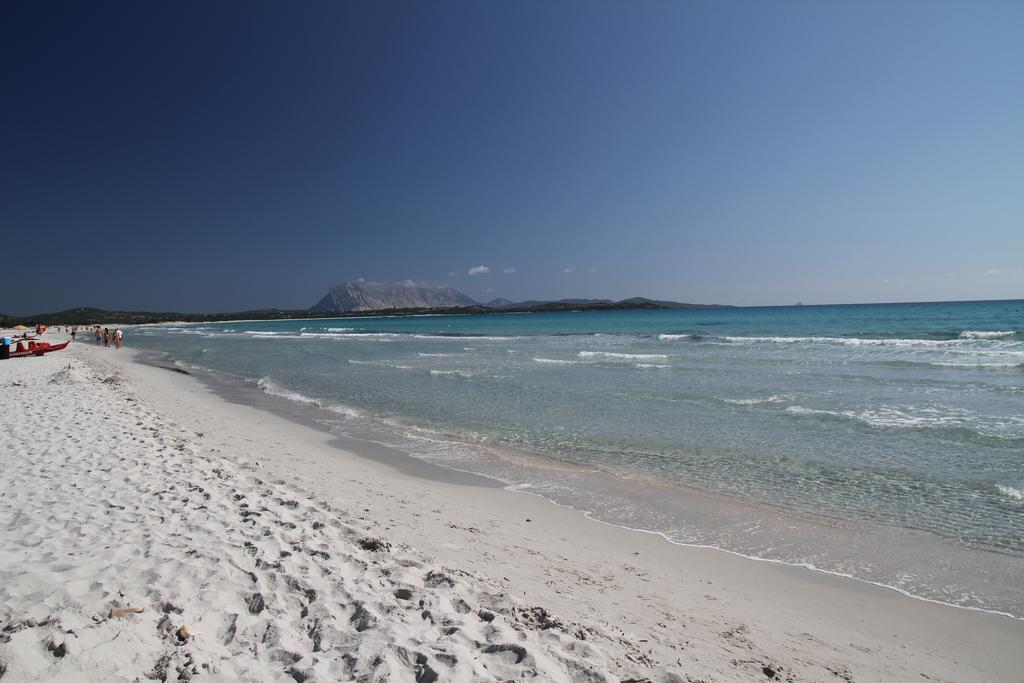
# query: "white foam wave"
[457,373]
[462,337]
[340,329]
[341,410]
[435,355]
[987,334]
[325,335]
[556,361]
[844,341]
[975,365]
[888,416]
[651,366]
[624,356]
[1011,492]
[754,401]
[380,364]
[268,386]
[675,337]
[370,335]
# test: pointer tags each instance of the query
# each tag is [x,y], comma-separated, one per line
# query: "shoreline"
[308,411]
[686,611]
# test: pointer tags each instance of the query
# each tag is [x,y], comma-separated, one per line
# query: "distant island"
[356,299]
[362,296]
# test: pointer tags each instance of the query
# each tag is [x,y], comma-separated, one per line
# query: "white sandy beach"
[124,485]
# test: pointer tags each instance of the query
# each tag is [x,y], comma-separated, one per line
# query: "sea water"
[883,442]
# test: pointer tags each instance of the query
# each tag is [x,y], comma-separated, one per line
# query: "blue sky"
[225,156]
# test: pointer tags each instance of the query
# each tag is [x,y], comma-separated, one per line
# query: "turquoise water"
[820,434]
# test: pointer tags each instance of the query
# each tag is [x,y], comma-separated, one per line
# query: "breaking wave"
[754,401]
[958,425]
[455,373]
[479,337]
[983,334]
[1011,492]
[268,386]
[623,356]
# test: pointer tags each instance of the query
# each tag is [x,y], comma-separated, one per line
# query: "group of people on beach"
[105,336]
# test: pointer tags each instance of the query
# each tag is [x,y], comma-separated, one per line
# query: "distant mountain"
[376,299]
[378,296]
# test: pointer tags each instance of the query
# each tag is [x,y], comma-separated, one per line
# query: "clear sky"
[210,156]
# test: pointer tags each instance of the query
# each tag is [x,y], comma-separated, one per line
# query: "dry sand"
[124,485]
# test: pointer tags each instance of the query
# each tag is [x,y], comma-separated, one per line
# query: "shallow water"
[881,441]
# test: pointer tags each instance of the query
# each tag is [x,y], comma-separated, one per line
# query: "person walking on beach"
[106,337]
[117,338]
[99,336]
[74,331]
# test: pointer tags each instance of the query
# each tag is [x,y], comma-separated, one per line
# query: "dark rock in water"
[376,296]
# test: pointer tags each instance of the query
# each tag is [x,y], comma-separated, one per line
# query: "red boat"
[29,348]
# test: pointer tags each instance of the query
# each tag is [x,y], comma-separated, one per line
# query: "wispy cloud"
[993,271]
[569,269]
[409,283]
[592,270]
[509,270]
[453,274]
[478,270]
